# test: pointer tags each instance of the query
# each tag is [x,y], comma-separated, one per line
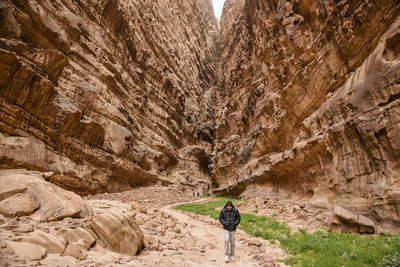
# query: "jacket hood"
[229,203]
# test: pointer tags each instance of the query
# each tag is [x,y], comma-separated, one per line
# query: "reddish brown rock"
[292,99]
[345,221]
[308,104]
[106,93]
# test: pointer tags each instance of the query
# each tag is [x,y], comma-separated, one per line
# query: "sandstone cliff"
[107,94]
[309,105]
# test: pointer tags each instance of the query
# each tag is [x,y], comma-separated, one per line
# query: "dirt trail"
[208,239]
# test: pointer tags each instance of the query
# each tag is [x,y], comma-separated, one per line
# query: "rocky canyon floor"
[172,238]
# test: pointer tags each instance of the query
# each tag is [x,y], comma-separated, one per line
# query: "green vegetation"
[316,249]
[337,249]
[392,260]
[208,208]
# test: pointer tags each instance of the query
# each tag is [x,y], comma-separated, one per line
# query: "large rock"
[52,242]
[78,240]
[20,204]
[119,232]
[346,221]
[56,203]
[39,198]
[28,251]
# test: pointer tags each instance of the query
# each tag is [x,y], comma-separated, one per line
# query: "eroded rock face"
[345,221]
[309,103]
[26,193]
[28,251]
[112,94]
[87,92]
[119,232]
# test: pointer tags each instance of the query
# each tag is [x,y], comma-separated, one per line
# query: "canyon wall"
[109,94]
[309,104]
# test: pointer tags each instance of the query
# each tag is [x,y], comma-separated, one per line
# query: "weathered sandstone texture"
[309,104]
[60,223]
[26,193]
[106,94]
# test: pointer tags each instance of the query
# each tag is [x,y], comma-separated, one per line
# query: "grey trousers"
[229,242]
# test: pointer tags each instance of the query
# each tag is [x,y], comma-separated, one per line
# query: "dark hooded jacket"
[229,219]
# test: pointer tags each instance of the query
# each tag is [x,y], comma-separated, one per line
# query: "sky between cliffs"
[218,5]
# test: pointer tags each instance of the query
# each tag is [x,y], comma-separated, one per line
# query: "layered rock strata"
[106,93]
[112,94]
[309,105]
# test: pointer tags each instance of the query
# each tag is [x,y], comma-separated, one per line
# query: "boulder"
[345,221]
[53,243]
[118,231]
[255,242]
[150,240]
[20,204]
[79,240]
[366,225]
[10,187]
[27,193]
[28,251]
[57,203]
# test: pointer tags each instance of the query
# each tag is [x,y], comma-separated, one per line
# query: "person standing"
[230,219]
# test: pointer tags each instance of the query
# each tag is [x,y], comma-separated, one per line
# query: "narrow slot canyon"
[119,107]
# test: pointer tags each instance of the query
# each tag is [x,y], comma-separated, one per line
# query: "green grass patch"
[338,249]
[207,208]
[316,249]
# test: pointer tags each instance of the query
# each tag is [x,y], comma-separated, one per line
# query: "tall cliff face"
[107,94]
[112,94]
[309,104]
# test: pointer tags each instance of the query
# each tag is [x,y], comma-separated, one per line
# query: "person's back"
[230,219]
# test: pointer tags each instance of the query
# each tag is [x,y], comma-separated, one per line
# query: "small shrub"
[391,260]
[348,256]
[303,231]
